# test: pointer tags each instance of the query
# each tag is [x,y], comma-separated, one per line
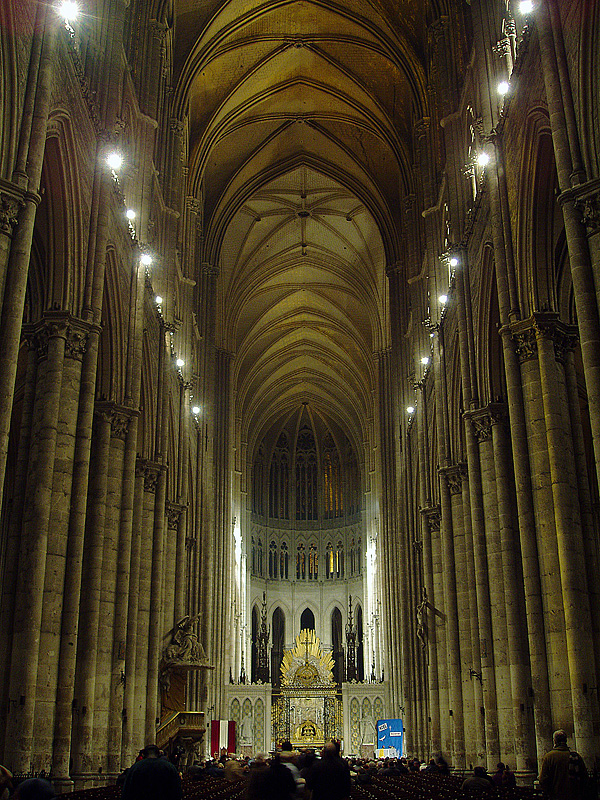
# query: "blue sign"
[389,738]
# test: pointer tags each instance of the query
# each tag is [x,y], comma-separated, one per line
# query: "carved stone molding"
[484,418]
[118,416]
[433,515]
[59,324]
[454,476]
[193,204]
[9,210]
[150,471]
[210,270]
[173,512]
[589,208]
[526,334]
[587,202]
[525,344]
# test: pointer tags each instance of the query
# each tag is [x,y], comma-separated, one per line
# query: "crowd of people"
[289,774]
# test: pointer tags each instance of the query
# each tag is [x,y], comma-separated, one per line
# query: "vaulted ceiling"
[301,116]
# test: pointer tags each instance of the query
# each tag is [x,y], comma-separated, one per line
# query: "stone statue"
[247,731]
[367,730]
[422,621]
[184,645]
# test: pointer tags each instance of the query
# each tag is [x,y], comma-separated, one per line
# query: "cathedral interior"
[299,377]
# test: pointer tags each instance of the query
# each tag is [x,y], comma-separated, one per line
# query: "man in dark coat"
[152,778]
[563,775]
[329,778]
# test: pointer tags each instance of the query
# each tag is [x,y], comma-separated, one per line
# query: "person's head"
[559,737]
[286,745]
[34,789]
[500,767]
[151,751]
[329,751]
[479,772]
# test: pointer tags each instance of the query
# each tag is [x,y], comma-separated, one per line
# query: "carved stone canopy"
[306,665]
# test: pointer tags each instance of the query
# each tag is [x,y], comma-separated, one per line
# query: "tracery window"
[306,476]
[359,556]
[329,560]
[332,482]
[283,561]
[258,483]
[301,562]
[352,482]
[279,489]
[259,558]
[339,560]
[352,556]
[253,547]
[313,562]
[272,560]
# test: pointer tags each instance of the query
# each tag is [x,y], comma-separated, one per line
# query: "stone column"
[50,336]
[63,725]
[590,541]
[482,588]
[57,549]
[482,424]
[427,644]
[585,273]
[124,434]
[148,472]
[155,631]
[84,765]
[514,600]
[11,555]
[550,340]
[128,744]
[28,175]
[10,203]
[453,655]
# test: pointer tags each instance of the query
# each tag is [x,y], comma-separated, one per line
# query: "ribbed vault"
[300,116]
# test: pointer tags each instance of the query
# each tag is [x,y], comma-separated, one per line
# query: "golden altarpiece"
[307,708]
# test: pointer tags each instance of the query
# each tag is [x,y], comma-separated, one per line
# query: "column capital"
[433,517]
[543,325]
[9,210]
[482,419]
[60,324]
[454,476]
[118,416]
[173,512]
[586,197]
[150,471]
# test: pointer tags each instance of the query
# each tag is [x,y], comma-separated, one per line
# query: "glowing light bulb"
[443,298]
[68,11]
[114,161]
[130,214]
[454,261]
[503,88]
[425,360]
[526,6]
[195,410]
[483,159]
[158,300]
[180,362]
[410,409]
[146,259]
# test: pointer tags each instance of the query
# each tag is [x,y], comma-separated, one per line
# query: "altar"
[307,709]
